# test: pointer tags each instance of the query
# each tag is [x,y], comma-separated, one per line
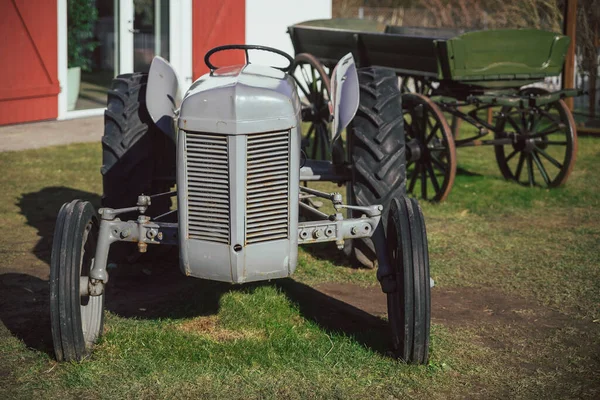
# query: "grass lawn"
[516,307]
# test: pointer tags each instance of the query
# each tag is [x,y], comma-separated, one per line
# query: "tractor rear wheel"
[137,157]
[376,152]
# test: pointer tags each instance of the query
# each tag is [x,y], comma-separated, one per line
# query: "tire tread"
[376,150]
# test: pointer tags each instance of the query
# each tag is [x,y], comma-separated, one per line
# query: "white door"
[143,33]
[156,27]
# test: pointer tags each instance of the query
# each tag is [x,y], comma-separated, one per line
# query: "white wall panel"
[267,22]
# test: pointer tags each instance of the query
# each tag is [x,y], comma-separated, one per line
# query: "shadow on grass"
[152,290]
[41,208]
[463,172]
[337,316]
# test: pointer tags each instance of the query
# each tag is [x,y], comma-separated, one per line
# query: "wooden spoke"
[302,89]
[541,168]
[520,166]
[437,163]
[423,183]
[434,181]
[434,130]
[557,142]
[531,180]
[511,155]
[413,177]
[549,158]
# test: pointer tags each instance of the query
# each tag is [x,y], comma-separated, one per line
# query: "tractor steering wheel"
[247,47]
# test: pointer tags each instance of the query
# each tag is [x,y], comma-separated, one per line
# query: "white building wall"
[267,22]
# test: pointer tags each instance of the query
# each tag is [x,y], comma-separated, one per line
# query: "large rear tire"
[76,319]
[137,157]
[376,151]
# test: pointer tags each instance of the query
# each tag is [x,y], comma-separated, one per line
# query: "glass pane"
[151,32]
[92,52]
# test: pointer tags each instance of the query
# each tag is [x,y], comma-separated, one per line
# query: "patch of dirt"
[209,326]
[538,345]
[464,307]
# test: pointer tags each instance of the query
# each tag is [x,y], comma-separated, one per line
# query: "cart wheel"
[544,143]
[314,90]
[76,318]
[430,152]
[409,307]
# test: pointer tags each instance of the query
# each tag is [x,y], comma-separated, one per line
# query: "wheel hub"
[526,145]
[309,113]
[413,150]
[313,114]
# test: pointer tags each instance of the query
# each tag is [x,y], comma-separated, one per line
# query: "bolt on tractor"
[232,149]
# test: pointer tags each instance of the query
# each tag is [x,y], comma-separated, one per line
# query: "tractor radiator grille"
[208,187]
[267,183]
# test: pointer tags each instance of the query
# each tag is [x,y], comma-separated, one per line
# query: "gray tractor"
[232,148]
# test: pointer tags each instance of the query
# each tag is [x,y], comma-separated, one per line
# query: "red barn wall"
[28,61]
[216,23]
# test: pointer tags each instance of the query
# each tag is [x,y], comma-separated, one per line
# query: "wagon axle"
[529,145]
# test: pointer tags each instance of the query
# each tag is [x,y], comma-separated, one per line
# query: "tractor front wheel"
[409,306]
[76,317]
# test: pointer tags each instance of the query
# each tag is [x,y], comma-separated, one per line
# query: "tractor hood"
[240,100]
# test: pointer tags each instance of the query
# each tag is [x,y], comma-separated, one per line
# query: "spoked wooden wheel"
[314,90]
[430,151]
[409,307]
[76,317]
[544,143]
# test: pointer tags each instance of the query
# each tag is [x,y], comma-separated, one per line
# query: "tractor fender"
[162,95]
[345,92]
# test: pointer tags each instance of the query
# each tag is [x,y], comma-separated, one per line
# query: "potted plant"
[81,20]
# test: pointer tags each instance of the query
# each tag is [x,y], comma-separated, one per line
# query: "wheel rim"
[314,90]
[544,145]
[91,307]
[431,155]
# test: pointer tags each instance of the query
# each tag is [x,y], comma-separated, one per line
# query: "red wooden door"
[28,68]
[216,23]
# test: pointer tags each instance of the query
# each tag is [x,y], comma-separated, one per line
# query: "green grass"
[538,250]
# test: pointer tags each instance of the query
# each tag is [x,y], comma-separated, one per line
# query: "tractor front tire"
[376,151]
[137,157]
[409,306]
[77,319]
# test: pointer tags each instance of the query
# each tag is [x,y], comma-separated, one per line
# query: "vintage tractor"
[241,211]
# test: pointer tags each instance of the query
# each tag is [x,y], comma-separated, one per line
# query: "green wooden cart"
[483,78]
